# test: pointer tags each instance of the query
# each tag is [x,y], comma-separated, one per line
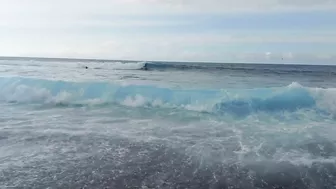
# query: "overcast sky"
[174,30]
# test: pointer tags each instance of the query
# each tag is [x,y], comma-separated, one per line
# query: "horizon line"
[163,61]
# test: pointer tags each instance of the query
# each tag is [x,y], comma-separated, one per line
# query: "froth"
[121,66]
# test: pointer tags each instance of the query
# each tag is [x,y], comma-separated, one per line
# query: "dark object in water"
[86,67]
[145,67]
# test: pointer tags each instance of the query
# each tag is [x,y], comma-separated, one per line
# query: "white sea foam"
[119,65]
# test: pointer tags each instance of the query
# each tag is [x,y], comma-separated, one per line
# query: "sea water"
[166,125]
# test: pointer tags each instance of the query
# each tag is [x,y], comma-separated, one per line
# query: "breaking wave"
[117,65]
[239,102]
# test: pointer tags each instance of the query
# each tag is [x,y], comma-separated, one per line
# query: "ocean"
[128,124]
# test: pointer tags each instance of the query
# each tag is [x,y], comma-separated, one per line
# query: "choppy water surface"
[166,125]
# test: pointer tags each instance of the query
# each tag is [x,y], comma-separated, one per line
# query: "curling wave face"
[239,102]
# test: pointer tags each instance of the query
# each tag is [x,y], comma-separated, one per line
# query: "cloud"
[125,13]
[133,7]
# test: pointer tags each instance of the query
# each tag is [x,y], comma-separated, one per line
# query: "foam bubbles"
[136,101]
[24,94]
[325,98]
[121,66]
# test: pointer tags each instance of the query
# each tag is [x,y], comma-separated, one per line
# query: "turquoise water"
[166,125]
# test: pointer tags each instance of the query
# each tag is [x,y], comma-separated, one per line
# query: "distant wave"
[239,102]
[246,68]
[251,68]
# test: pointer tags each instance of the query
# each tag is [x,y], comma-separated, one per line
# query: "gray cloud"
[252,5]
[159,6]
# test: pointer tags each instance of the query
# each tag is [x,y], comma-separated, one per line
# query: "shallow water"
[170,125]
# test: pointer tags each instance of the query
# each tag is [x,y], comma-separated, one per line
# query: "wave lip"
[128,66]
[119,66]
[239,102]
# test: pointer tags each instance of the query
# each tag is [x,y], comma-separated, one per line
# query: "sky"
[277,31]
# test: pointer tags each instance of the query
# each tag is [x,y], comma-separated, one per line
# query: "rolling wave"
[255,68]
[233,101]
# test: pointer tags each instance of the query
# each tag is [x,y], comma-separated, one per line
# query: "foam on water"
[120,66]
